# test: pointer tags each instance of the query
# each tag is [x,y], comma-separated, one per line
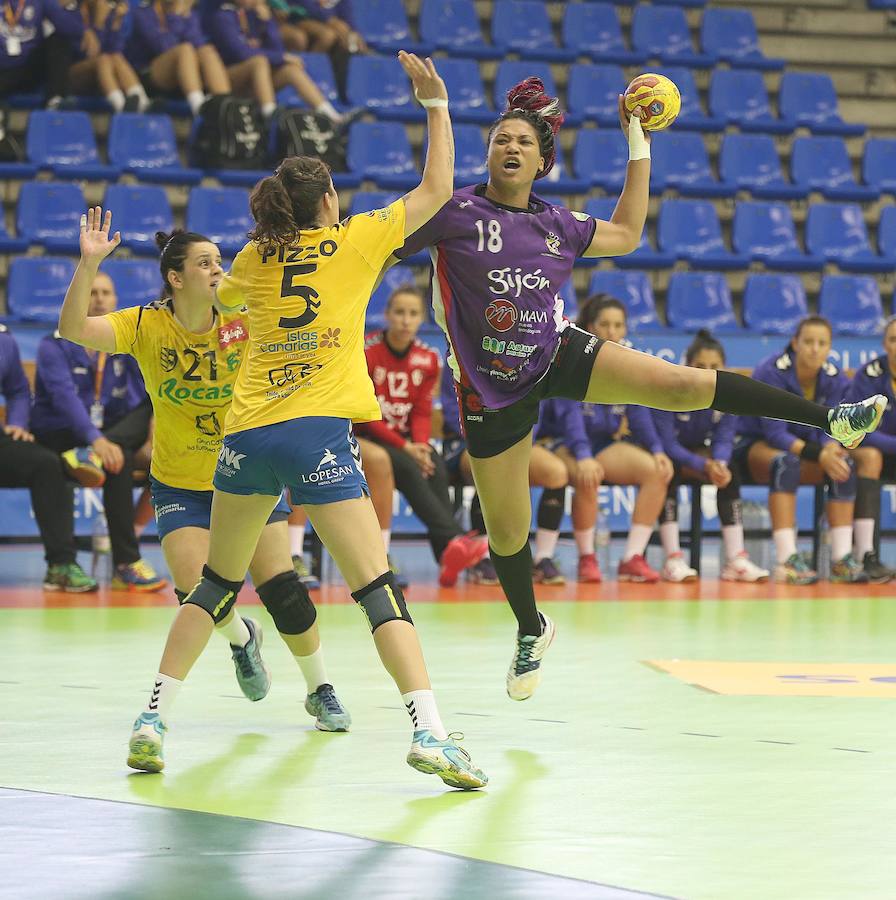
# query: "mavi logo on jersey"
[501,315]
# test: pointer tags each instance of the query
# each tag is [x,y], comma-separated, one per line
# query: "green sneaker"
[447,759]
[329,713]
[68,577]
[850,422]
[795,570]
[145,747]
[848,571]
[252,674]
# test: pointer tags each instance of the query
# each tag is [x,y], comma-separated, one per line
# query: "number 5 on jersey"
[306,293]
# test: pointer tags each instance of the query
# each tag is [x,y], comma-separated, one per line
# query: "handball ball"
[657,96]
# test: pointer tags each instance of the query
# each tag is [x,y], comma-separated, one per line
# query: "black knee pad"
[867,499]
[215,595]
[288,602]
[382,601]
[550,508]
[181,596]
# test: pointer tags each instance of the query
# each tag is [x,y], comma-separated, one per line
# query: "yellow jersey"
[306,307]
[189,378]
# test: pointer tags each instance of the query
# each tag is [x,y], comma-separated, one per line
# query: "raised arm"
[437,184]
[74,323]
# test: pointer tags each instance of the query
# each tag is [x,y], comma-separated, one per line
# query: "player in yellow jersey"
[189,355]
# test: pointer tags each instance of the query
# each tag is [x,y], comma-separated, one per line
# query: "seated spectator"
[699,444]
[405,372]
[114,75]
[172,54]
[24,463]
[876,458]
[784,456]
[88,399]
[246,34]
[606,444]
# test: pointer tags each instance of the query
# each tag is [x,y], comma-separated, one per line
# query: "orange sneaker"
[589,570]
[636,569]
[462,552]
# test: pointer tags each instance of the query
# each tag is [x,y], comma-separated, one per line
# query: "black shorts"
[492,431]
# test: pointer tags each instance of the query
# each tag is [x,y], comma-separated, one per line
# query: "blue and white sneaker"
[850,422]
[524,674]
[252,674]
[328,712]
[145,748]
[447,759]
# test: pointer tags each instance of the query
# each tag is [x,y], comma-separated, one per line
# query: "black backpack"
[10,146]
[231,134]
[303,133]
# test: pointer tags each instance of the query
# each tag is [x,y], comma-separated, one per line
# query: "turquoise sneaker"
[252,674]
[524,674]
[329,713]
[447,759]
[850,422]
[145,749]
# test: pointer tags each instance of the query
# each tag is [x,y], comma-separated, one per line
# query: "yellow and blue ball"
[657,96]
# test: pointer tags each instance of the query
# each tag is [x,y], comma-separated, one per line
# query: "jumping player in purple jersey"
[500,254]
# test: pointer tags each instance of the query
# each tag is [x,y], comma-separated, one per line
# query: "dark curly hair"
[595,305]
[173,248]
[703,340]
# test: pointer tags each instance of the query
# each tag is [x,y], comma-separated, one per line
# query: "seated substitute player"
[189,355]
[405,372]
[786,456]
[700,444]
[876,458]
[306,280]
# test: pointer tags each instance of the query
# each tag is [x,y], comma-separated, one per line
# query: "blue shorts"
[452,450]
[181,508]
[316,457]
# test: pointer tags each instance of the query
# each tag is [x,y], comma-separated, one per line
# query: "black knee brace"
[181,596]
[288,602]
[215,595]
[382,601]
[670,504]
[868,499]
[550,508]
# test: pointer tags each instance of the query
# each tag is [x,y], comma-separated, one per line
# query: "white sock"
[236,631]
[116,100]
[841,541]
[670,538]
[195,99]
[313,669]
[421,706]
[785,543]
[387,538]
[138,92]
[164,693]
[327,109]
[584,540]
[545,543]
[268,109]
[863,529]
[297,539]
[733,540]
[638,536]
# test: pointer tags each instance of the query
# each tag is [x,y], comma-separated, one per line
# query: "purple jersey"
[497,271]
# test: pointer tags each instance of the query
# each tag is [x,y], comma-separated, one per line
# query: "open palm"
[95,242]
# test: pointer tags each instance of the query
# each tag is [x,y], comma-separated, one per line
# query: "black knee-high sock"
[550,508]
[477,523]
[515,575]
[744,396]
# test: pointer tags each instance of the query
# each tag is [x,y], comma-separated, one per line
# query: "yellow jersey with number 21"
[306,305]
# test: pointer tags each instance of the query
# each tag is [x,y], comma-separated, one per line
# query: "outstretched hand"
[427,82]
[95,242]
[630,123]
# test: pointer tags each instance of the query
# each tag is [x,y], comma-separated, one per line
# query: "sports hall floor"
[696,741]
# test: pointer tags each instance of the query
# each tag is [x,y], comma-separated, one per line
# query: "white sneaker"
[145,747]
[677,570]
[525,667]
[742,568]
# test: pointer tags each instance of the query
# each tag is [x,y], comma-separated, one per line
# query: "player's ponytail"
[289,200]
[703,340]
[529,101]
[173,249]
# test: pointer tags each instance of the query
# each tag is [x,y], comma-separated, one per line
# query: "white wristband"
[433,102]
[638,148]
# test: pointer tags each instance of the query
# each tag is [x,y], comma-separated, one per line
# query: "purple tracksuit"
[241,34]
[683,432]
[152,34]
[13,381]
[875,378]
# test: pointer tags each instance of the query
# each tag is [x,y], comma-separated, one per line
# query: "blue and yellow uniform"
[304,379]
[189,378]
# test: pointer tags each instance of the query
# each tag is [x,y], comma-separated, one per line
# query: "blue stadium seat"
[751,162]
[222,214]
[384,25]
[320,70]
[740,97]
[466,90]
[691,3]
[137,281]
[822,164]
[765,231]
[380,84]
[837,232]
[593,92]
[644,257]
[364,201]
[49,213]
[690,230]
[523,26]
[882,4]
[396,277]
[593,30]
[811,100]
[10,244]
[36,287]
[601,158]
[635,291]
[558,180]
[731,35]
[139,212]
[680,161]
[852,304]
[700,300]
[64,143]
[774,304]
[145,146]
[692,117]
[453,26]
[469,154]
[886,233]
[663,33]
[382,152]
[567,294]
[879,164]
